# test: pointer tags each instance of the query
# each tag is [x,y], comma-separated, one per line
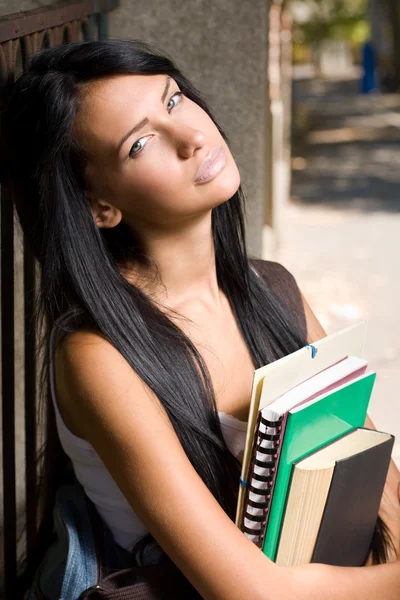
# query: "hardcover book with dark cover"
[349,519]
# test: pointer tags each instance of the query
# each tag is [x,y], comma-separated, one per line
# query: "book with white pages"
[269,435]
[277,378]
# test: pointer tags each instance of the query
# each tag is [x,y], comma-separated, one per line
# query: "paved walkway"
[342,228]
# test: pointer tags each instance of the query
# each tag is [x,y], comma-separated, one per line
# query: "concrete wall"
[221,45]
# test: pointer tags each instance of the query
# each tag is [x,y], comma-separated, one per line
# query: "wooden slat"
[46,17]
[8,393]
[30,399]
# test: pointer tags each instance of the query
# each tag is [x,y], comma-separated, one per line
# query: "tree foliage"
[320,20]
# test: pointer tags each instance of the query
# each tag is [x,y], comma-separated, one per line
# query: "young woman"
[129,197]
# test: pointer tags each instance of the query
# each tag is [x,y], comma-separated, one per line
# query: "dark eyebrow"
[165,92]
[144,121]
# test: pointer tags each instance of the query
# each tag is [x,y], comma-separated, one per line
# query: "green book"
[309,427]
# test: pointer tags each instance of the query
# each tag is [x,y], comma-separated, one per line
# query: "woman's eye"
[138,146]
[141,142]
[172,103]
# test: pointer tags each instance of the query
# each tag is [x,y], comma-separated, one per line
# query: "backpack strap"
[282,283]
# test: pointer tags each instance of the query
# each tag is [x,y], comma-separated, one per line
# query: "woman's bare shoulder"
[82,359]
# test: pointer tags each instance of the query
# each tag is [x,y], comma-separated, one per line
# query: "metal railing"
[22,34]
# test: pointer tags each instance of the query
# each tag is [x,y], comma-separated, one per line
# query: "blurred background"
[308,92]
[338,229]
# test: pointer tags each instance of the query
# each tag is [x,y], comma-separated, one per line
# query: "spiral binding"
[262,474]
[262,470]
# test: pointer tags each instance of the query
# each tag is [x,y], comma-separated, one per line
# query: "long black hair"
[80,264]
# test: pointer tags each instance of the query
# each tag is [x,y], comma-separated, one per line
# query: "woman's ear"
[105,214]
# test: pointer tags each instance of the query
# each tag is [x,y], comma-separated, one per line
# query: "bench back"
[22,34]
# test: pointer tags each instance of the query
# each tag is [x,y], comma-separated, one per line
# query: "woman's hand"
[390,514]
[389,510]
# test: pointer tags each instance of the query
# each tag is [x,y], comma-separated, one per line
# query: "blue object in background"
[369,81]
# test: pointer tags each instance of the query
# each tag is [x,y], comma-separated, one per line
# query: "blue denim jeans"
[70,565]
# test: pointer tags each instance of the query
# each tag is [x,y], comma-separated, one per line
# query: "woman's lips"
[211,165]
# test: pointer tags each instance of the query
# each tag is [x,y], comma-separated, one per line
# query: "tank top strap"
[66,436]
[282,283]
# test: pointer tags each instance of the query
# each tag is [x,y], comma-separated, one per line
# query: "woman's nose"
[188,140]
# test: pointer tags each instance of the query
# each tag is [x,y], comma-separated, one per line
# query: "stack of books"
[312,476]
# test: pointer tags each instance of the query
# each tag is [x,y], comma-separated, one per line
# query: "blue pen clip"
[314,350]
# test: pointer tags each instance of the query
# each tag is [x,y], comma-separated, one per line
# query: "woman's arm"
[107,403]
[124,421]
[390,505]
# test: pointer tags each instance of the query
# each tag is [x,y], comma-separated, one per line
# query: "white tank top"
[97,481]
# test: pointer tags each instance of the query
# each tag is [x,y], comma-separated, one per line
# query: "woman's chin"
[227,185]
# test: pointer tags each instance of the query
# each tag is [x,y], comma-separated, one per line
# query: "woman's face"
[153,154]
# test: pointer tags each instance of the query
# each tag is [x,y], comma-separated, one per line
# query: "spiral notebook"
[269,436]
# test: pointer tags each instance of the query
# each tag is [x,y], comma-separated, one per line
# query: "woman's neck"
[185,260]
